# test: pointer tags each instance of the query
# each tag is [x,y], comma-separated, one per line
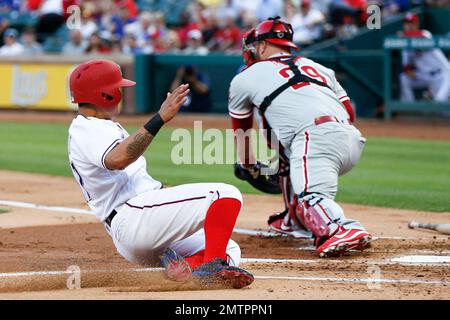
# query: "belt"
[110,218]
[324,119]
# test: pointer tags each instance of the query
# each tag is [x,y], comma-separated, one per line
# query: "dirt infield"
[34,242]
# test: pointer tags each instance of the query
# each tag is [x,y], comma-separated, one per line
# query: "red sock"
[219,223]
[196,260]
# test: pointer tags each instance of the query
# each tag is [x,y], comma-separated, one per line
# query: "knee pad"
[320,215]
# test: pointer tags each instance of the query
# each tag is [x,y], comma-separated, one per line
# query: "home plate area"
[41,262]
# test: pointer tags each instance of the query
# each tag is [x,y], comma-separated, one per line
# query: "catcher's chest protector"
[296,79]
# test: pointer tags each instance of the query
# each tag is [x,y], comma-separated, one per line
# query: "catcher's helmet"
[98,82]
[275,31]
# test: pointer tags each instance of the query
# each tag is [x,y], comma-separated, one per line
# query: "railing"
[392,104]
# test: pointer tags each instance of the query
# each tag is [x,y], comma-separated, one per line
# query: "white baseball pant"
[171,217]
[438,84]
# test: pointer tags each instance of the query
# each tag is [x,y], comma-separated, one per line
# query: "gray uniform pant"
[318,156]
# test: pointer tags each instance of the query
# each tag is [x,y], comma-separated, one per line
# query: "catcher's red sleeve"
[244,124]
[244,149]
[351,112]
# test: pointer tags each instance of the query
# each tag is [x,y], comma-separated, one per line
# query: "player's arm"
[243,140]
[241,112]
[408,65]
[349,108]
[130,149]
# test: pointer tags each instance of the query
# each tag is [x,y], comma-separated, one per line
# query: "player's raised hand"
[173,102]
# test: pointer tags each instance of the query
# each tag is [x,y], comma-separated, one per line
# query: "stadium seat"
[55,42]
[171,9]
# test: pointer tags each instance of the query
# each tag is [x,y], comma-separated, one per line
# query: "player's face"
[108,113]
[10,40]
[115,111]
[410,26]
[260,50]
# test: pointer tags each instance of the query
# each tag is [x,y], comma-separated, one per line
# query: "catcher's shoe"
[343,241]
[176,268]
[277,223]
[219,272]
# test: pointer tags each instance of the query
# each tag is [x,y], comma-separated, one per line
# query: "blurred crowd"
[123,26]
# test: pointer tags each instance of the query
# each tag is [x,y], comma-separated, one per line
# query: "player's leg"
[193,249]
[406,88]
[318,157]
[440,87]
[286,222]
[355,147]
[408,84]
[315,166]
[151,222]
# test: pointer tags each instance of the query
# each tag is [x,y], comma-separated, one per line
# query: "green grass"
[3,210]
[396,173]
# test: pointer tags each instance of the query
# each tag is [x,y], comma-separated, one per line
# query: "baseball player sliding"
[423,69]
[189,226]
[311,115]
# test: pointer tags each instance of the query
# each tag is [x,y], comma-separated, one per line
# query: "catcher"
[302,103]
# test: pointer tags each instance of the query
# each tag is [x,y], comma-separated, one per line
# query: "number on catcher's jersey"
[308,70]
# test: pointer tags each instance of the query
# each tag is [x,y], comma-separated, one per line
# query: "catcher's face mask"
[248,47]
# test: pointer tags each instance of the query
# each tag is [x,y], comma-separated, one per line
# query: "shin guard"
[321,216]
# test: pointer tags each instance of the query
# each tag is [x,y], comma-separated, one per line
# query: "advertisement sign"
[35,86]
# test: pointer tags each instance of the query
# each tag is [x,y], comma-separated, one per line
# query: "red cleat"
[176,268]
[219,272]
[344,241]
[277,223]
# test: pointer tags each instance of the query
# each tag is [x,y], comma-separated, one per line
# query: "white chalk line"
[257,233]
[243,260]
[360,280]
[422,259]
[69,272]
[236,230]
[270,277]
[263,260]
[29,205]
[415,251]
[268,234]
[366,262]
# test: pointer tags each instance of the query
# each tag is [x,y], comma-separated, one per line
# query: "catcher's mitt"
[265,183]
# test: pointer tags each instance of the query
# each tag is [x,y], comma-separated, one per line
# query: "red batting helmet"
[98,82]
[411,17]
[277,32]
